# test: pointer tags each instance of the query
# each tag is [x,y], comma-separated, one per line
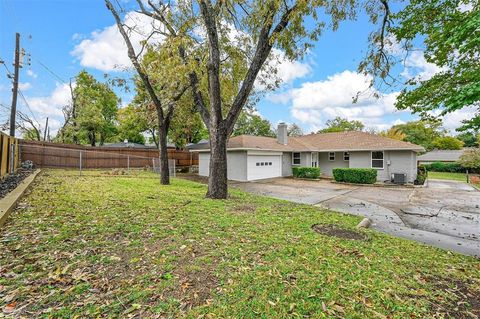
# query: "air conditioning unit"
[399,178]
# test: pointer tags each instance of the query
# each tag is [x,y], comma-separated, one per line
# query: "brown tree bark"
[164,167]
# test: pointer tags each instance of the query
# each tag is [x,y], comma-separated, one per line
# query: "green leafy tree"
[470,138]
[447,143]
[237,39]
[421,132]
[394,133]
[449,31]
[252,124]
[131,124]
[96,110]
[339,124]
[471,160]
[187,126]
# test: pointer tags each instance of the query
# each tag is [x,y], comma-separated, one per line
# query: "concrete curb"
[9,202]
[376,185]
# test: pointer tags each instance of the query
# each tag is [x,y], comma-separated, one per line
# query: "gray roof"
[442,155]
[320,142]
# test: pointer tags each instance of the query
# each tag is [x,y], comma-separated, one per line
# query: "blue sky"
[70,35]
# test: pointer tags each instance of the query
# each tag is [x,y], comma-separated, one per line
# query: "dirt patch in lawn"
[243,208]
[331,230]
[196,280]
[10,182]
[455,298]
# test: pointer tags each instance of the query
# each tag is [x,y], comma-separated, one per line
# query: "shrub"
[421,175]
[306,172]
[355,175]
[471,160]
[444,167]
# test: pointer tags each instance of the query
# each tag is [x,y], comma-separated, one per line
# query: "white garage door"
[264,166]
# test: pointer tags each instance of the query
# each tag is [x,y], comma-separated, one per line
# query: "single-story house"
[256,157]
[444,156]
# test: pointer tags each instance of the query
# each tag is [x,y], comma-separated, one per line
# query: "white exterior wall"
[287,164]
[400,162]
[236,165]
[327,166]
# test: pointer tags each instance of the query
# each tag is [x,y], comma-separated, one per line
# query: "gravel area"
[10,182]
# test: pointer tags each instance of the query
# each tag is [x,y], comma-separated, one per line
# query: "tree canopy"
[447,143]
[421,132]
[252,124]
[340,124]
[95,112]
[446,33]
[394,133]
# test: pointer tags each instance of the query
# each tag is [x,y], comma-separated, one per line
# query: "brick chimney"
[282,137]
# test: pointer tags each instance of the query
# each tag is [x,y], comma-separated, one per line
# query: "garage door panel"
[264,166]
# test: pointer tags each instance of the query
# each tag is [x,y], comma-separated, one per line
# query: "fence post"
[128,164]
[80,163]
[12,158]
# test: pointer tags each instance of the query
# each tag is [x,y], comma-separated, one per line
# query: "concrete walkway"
[445,214]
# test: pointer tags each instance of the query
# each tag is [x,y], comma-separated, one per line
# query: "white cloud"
[416,66]
[51,105]
[286,71]
[24,86]
[452,121]
[31,74]
[105,50]
[316,102]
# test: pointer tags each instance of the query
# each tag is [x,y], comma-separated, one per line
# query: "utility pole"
[45,131]
[13,110]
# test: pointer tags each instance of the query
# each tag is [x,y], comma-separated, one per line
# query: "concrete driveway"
[444,214]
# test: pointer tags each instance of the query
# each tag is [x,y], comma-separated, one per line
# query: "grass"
[448,176]
[124,246]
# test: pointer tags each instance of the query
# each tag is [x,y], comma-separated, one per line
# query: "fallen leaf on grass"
[9,308]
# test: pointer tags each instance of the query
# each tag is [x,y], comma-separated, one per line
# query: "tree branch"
[133,57]
[264,46]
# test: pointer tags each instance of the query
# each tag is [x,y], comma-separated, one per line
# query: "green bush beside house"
[355,175]
[444,167]
[306,172]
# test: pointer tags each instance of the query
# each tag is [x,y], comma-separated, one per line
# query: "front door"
[315,159]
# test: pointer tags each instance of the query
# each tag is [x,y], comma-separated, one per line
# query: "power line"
[50,71]
[28,106]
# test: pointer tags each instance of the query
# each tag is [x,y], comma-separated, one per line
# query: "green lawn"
[124,246]
[448,176]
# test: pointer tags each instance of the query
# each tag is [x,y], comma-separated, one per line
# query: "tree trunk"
[217,181]
[92,138]
[164,172]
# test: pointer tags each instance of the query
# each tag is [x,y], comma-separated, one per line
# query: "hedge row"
[355,175]
[306,172]
[444,167]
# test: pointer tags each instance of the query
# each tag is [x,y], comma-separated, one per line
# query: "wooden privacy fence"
[56,155]
[9,156]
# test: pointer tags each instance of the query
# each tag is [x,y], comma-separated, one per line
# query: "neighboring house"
[445,156]
[256,157]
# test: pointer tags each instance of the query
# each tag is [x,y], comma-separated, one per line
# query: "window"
[269,163]
[331,156]
[258,164]
[346,156]
[377,159]
[296,158]
[262,164]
